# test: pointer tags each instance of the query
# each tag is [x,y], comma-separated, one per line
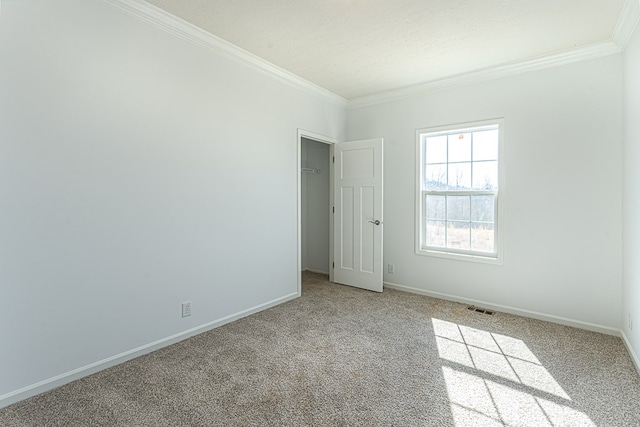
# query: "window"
[458,199]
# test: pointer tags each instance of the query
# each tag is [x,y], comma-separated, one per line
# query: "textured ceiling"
[361,47]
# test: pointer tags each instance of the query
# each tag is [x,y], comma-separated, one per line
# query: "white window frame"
[497,257]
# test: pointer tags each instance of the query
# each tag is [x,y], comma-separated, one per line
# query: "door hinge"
[333,265]
[334,159]
[334,209]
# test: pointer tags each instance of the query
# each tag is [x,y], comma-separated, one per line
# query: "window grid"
[470,222]
[471,226]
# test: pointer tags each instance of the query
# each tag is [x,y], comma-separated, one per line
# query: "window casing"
[459,191]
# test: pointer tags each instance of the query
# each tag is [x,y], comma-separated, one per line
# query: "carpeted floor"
[342,356]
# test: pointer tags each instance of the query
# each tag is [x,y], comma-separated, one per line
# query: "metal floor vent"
[480,310]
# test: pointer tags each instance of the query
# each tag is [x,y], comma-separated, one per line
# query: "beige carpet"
[342,356]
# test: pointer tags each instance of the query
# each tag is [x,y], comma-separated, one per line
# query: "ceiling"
[355,48]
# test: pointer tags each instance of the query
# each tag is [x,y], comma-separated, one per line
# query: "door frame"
[331,142]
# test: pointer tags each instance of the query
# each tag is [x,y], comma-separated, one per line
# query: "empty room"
[367,213]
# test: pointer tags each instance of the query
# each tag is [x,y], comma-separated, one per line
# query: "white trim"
[67,377]
[562,58]
[311,270]
[460,256]
[326,140]
[316,136]
[167,22]
[632,353]
[507,309]
[627,22]
[499,219]
[183,29]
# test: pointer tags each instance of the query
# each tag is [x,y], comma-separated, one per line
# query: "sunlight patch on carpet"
[494,379]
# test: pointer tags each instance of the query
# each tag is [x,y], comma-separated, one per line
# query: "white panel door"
[358,214]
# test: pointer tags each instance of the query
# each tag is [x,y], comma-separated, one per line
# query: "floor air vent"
[480,310]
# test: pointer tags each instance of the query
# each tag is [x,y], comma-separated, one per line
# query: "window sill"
[460,257]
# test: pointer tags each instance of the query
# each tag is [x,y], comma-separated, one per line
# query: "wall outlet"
[391,268]
[186,309]
[630,322]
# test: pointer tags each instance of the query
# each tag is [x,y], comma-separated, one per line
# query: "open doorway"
[315,202]
[315,188]
[355,197]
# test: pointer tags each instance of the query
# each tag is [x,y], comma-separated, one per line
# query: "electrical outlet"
[186,309]
[391,268]
[630,322]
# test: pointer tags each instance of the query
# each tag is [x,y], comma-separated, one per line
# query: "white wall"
[562,257]
[631,196]
[137,171]
[315,209]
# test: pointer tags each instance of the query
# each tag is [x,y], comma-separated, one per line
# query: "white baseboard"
[511,310]
[315,271]
[632,353]
[67,377]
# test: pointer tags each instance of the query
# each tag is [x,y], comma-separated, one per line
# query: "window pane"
[435,207]
[482,238]
[458,208]
[458,235]
[482,208]
[435,177]
[436,149]
[485,175]
[460,147]
[459,176]
[435,233]
[458,191]
[485,145]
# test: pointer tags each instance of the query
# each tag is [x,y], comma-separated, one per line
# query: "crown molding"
[562,58]
[629,17]
[627,22]
[189,32]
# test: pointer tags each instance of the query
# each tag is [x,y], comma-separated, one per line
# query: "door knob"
[376,222]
